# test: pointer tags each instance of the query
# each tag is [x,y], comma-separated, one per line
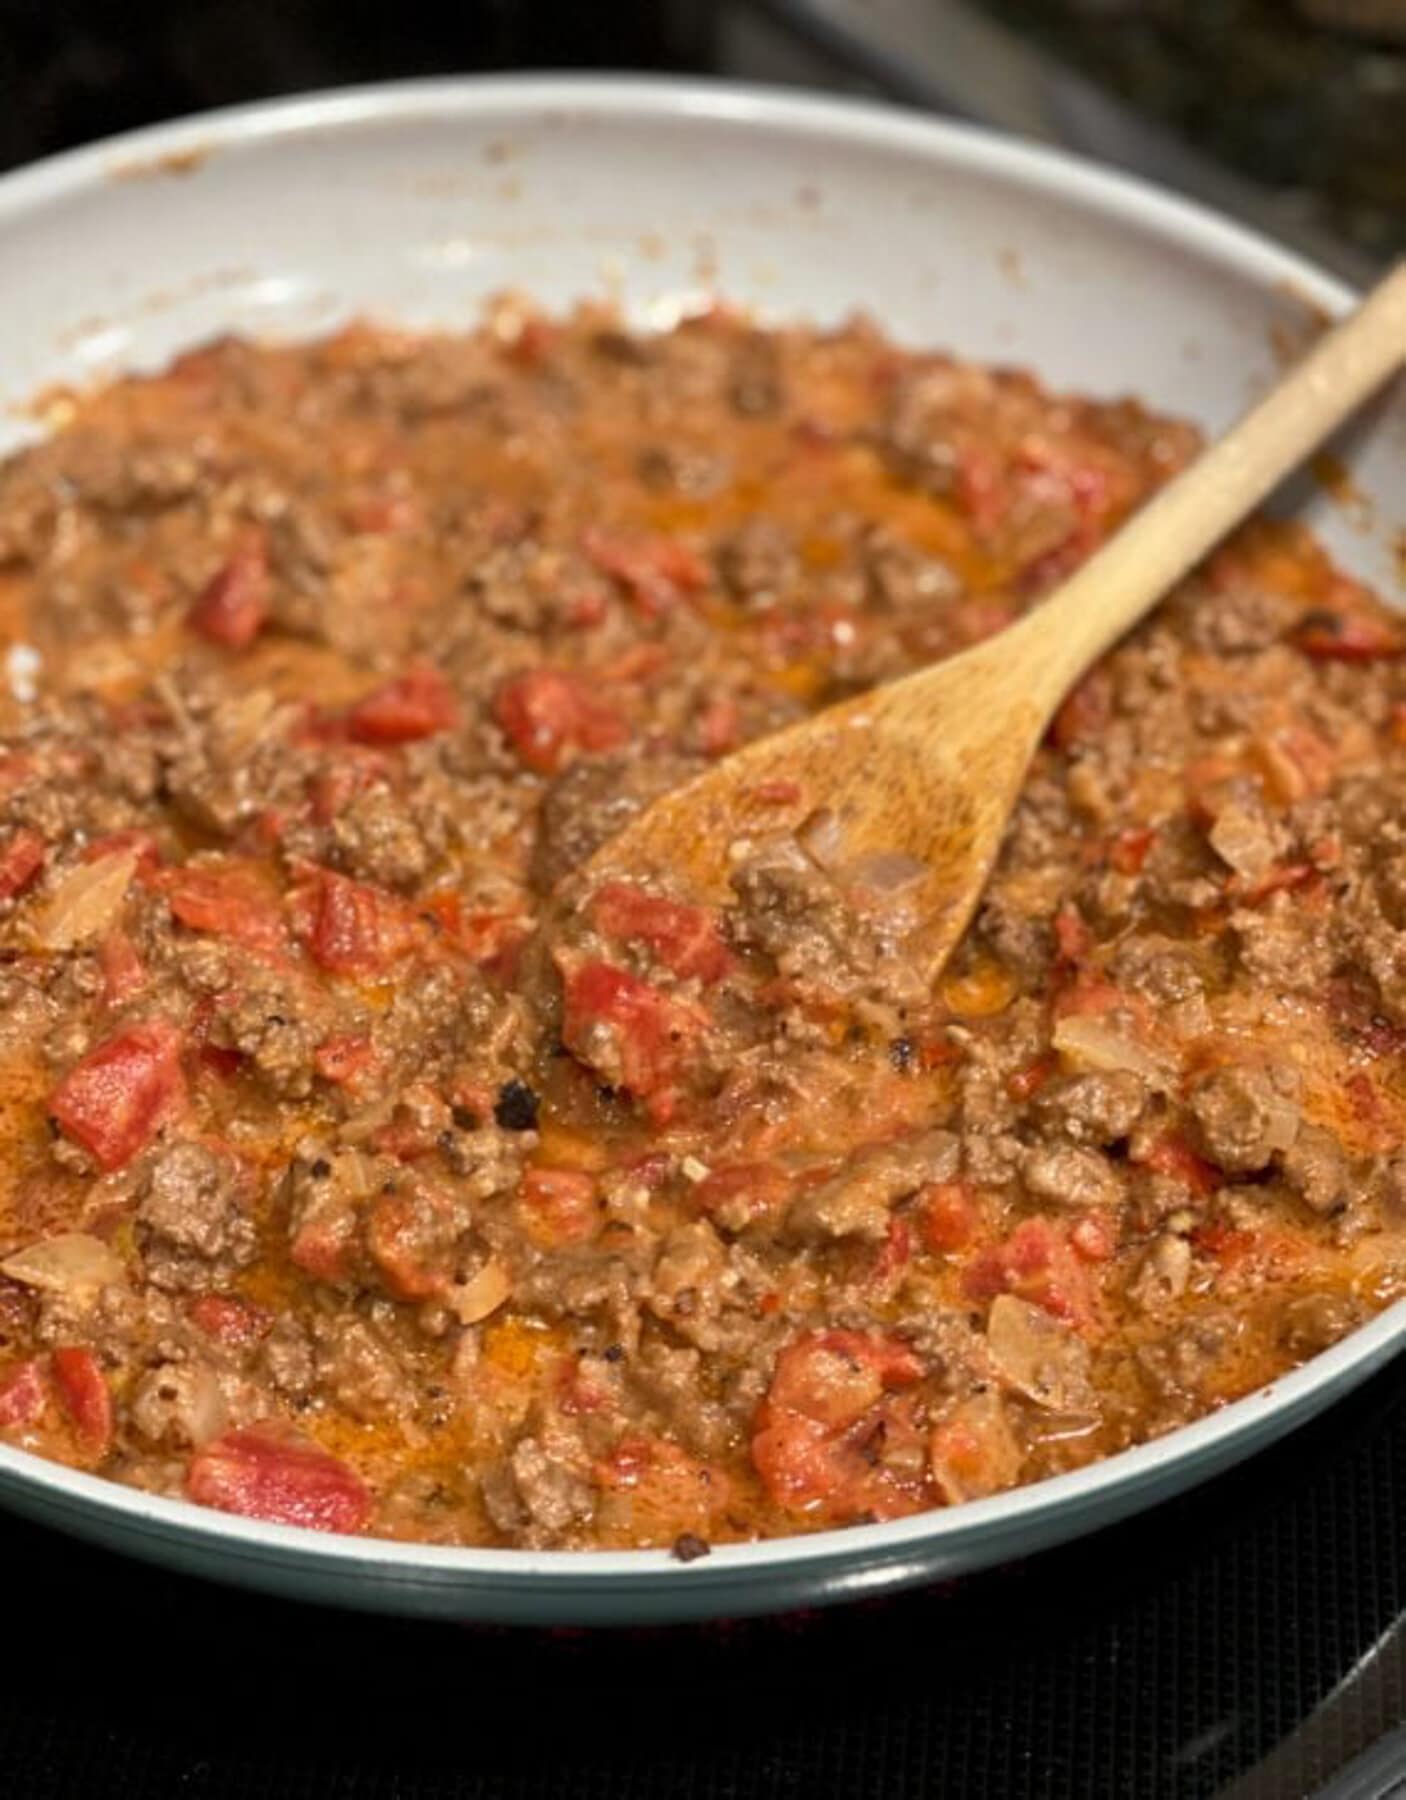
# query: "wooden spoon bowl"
[920,776]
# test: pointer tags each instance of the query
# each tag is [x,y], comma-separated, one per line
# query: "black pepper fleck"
[901,1052]
[614,1353]
[516,1107]
[464,1117]
[688,1547]
[320,1169]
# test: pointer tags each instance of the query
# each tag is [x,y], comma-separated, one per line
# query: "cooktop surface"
[1246,1640]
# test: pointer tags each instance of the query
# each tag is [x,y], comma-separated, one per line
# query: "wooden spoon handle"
[1159,544]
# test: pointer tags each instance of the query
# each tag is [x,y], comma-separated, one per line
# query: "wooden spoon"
[921,775]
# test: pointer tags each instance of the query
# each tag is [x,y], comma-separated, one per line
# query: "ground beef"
[592,801]
[1094,1109]
[1243,1118]
[195,1225]
[360,1133]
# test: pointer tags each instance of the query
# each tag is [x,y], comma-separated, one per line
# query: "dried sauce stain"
[456,1197]
[1334,477]
[186,161]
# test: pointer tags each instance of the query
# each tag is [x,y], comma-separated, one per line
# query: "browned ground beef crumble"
[349,1184]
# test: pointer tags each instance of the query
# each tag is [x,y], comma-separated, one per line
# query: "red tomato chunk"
[418,705]
[115,1099]
[266,1471]
[684,938]
[547,714]
[234,605]
[21,859]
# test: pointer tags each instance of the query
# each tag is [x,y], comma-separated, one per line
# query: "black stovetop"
[1168,1656]
[1247,1627]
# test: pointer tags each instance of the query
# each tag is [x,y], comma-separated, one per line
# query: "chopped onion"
[208,1413]
[483,1293]
[885,872]
[85,904]
[820,837]
[1242,840]
[1092,1043]
[69,1263]
[1038,1356]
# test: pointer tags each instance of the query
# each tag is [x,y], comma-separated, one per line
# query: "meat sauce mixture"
[368,1167]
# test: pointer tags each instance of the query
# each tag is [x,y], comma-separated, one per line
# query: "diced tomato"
[654,571]
[419,704]
[1072,938]
[587,608]
[265,1471]
[684,938]
[344,1058]
[21,859]
[234,605]
[646,1032]
[894,1255]
[1330,636]
[1217,1238]
[1128,851]
[1255,1256]
[546,714]
[144,843]
[832,1410]
[228,898]
[123,971]
[559,1206]
[1172,1155]
[1027,1082]
[113,1101]
[24,1393]
[356,929]
[221,1061]
[1036,1263]
[1284,879]
[85,1397]
[653,1490]
[1085,714]
[229,1320]
[323,1243]
[409,1233]
[583,1386]
[833,1376]
[334,786]
[492,939]
[973,1452]
[741,1193]
[948,1215]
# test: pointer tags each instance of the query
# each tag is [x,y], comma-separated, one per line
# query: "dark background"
[71,70]
[1163,1657]
[1254,1626]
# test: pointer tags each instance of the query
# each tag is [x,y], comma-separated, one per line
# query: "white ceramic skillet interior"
[413,203]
